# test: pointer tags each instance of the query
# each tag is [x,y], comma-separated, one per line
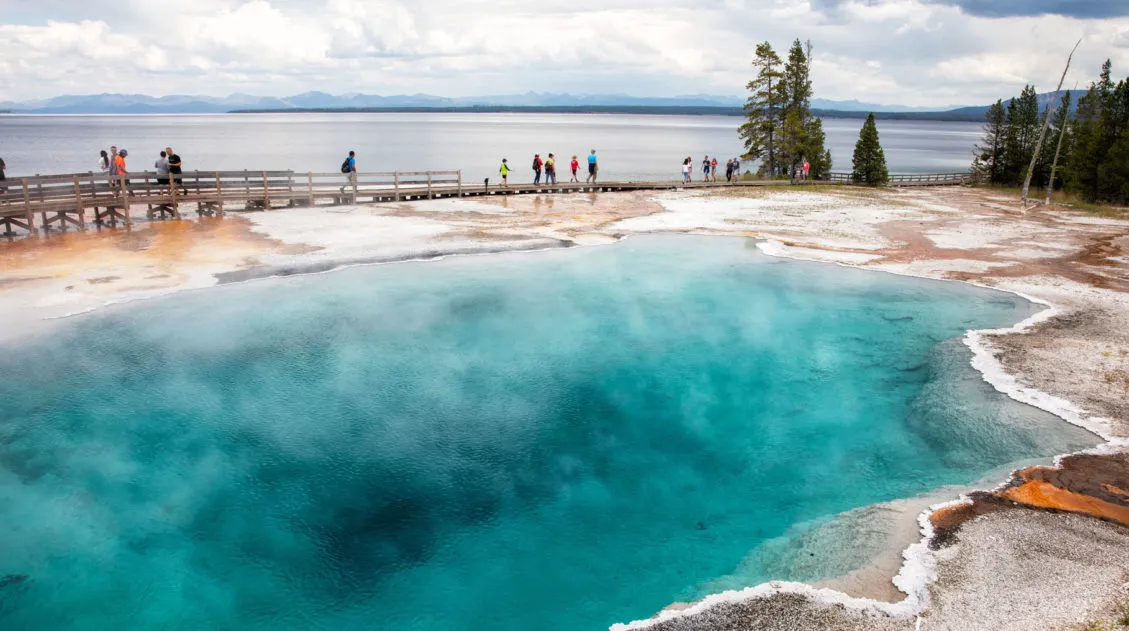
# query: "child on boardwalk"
[574,165]
[686,171]
[505,171]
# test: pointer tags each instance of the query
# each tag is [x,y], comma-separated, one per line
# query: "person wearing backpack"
[551,170]
[349,168]
[537,168]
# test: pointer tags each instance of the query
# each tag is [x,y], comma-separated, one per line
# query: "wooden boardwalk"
[54,202]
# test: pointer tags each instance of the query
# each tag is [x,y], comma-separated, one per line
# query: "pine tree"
[1021,134]
[869,159]
[779,129]
[797,108]
[817,155]
[988,163]
[1082,169]
[763,109]
[1113,169]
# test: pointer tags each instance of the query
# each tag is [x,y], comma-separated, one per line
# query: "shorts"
[592,168]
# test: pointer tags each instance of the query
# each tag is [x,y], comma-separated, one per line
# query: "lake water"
[630,146]
[557,440]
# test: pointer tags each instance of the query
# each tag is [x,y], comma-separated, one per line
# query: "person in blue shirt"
[593,168]
[349,168]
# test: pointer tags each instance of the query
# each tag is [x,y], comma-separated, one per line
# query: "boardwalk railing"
[915,179]
[61,200]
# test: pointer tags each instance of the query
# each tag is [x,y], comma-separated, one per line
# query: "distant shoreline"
[670,110]
[652,110]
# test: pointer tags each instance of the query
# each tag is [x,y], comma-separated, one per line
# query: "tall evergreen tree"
[988,163]
[763,109]
[817,155]
[1082,169]
[797,103]
[779,129]
[1113,168]
[869,159]
[1021,134]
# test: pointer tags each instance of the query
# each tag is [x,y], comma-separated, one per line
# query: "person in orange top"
[119,166]
[713,170]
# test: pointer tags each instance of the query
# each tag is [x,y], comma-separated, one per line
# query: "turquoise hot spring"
[550,440]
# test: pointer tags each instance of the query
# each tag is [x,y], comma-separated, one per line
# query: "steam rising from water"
[553,440]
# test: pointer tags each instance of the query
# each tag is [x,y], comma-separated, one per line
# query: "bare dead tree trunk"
[1058,152]
[1046,124]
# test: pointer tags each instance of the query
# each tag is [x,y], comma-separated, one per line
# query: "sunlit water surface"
[555,440]
[630,146]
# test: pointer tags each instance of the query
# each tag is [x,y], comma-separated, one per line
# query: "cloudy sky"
[911,52]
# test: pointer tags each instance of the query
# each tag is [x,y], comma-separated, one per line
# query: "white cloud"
[905,51]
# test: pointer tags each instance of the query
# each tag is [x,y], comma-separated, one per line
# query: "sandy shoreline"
[1069,360]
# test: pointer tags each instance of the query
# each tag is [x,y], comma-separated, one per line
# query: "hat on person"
[123,153]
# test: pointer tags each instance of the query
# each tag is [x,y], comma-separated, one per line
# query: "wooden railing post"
[353,176]
[172,196]
[78,205]
[396,186]
[27,206]
[429,196]
[219,195]
[125,199]
[310,187]
[266,192]
[460,174]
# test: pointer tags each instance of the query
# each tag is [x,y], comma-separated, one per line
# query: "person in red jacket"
[574,165]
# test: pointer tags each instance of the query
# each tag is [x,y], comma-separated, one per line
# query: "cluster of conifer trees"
[779,129]
[1091,143]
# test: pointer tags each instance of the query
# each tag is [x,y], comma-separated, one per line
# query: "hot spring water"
[554,440]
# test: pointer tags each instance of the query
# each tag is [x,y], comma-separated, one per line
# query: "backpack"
[536,163]
[345,166]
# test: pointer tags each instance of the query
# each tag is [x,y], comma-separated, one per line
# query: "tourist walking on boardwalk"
[551,170]
[104,162]
[537,168]
[736,169]
[686,171]
[505,171]
[349,168]
[706,169]
[175,170]
[593,167]
[3,177]
[713,169]
[807,169]
[729,170]
[574,165]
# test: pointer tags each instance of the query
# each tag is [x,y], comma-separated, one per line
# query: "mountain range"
[187,104]
[693,103]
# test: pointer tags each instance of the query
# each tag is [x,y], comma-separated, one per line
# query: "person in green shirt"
[505,171]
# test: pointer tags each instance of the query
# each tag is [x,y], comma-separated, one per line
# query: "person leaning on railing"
[3,178]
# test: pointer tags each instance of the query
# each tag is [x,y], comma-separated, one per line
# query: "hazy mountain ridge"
[314,100]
